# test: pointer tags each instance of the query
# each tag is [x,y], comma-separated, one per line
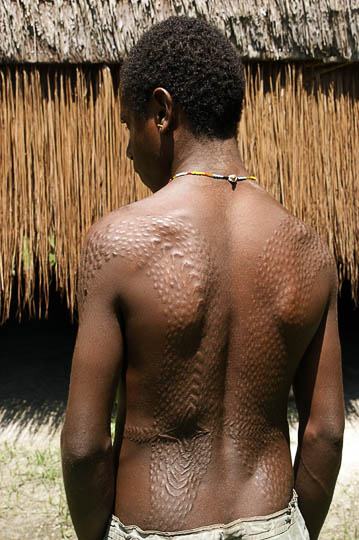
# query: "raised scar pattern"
[140,435]
[286,274]
[177,260]
[180,458]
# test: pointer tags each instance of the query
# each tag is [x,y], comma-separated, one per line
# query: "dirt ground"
[35,364]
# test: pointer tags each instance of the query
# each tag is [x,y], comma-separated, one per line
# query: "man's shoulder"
[117,245]
[131,235]
[301,242]
[281,233]
[123,214]
[287,236]
[298,269]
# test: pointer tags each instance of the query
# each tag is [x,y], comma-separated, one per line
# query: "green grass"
[347,533]
[31,489]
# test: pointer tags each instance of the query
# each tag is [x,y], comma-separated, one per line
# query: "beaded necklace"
[232,178]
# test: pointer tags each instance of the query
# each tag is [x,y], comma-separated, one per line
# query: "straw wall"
[63,165]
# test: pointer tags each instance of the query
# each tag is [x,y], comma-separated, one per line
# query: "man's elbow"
[325,436]
[77,450]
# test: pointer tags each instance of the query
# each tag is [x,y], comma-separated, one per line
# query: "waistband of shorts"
[281,517]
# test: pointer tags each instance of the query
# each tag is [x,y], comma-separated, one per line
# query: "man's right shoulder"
[297,270]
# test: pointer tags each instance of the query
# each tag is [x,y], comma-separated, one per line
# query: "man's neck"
[208,155]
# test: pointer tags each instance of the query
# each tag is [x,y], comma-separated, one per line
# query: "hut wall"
[63,164]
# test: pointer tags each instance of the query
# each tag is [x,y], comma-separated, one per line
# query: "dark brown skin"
[200,306]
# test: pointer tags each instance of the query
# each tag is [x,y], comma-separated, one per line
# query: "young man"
[200,307]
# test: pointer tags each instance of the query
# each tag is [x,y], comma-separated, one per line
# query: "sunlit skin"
[200,306]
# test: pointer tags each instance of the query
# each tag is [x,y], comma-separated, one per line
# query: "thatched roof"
[93,31]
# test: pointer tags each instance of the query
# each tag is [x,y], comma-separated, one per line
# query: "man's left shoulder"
[303,242]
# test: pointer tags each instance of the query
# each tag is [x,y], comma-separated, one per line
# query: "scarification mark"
[177,261]
[139,435]
[286,277]
[186,406]
[179,466]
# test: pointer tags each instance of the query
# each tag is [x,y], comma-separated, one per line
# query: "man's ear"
[164,110]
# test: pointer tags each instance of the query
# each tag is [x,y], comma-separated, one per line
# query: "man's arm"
[87,453]
[318,391]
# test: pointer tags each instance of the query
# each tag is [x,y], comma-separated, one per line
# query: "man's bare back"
[200,307]
[217,318]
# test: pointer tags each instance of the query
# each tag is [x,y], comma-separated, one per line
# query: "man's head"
[199,68]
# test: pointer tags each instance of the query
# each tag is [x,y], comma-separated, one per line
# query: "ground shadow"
[349,336]
[35,364]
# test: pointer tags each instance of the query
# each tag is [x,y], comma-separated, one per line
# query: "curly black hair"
[197,65]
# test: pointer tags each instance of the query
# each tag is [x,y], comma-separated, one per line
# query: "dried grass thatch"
[63,165]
